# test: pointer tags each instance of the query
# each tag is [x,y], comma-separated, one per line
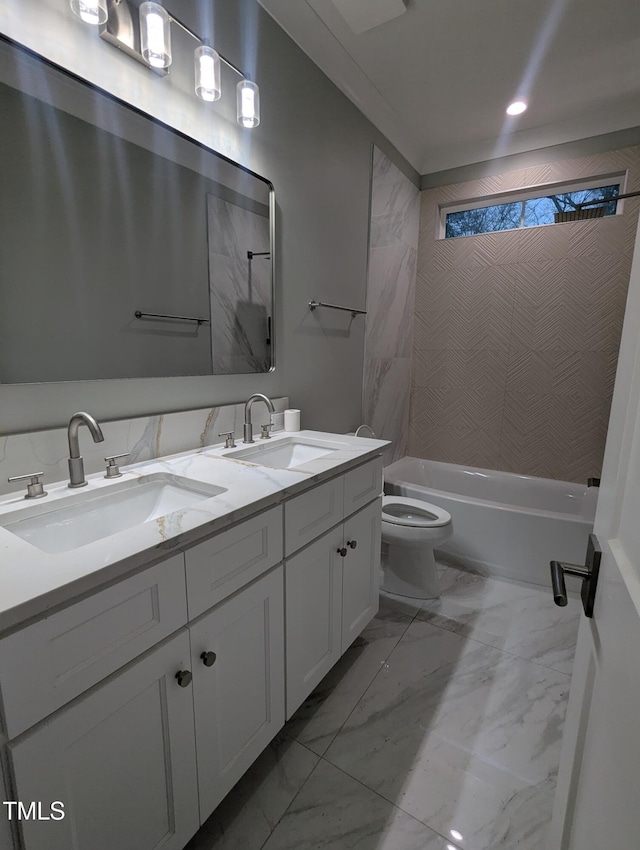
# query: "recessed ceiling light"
[516,107]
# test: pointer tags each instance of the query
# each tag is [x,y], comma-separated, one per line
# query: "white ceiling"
[436,80]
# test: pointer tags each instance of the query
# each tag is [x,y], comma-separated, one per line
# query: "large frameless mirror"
[127,250]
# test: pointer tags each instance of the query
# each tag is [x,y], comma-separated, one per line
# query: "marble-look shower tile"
[319,719]
[457,733]
[517,618]
[387,230]
[249,813]
[390,301]
[234,230]
[387,384]
[334,811]
[391,190]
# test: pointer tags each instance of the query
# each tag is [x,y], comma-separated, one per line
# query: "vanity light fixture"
[144,33]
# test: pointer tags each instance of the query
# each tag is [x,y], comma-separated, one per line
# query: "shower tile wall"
[393,249]
[517,333]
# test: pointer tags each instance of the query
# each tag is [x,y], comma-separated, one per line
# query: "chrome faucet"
[76,463]
[248,427]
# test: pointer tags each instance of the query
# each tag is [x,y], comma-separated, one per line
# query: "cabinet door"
[239,696]
[313,615]
[120,759]
[360,571]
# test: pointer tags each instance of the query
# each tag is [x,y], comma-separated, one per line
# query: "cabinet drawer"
[311,514]
[231,559]
[362,485]
[47,664]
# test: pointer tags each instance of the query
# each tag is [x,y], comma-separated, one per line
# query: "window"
[531,211]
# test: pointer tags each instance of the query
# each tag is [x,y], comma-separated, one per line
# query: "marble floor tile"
[249,813]
[457,734]
[318,720]
[337,812]
[517,618]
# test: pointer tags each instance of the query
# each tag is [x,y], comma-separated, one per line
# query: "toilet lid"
[413,512]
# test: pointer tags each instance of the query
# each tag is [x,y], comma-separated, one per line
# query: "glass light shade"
[516,108]
[207,69]
[155,35]
[90,11]
[248,95]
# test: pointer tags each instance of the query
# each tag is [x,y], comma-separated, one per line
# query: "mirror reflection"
[126,249]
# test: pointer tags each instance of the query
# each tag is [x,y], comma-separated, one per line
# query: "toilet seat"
[413,513]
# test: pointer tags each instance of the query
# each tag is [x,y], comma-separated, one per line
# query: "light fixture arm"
[202,40]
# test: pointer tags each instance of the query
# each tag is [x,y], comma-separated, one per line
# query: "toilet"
[411,529]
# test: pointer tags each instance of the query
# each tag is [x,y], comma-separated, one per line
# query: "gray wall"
[315,147]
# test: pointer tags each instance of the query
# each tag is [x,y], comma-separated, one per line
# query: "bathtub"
[503,524]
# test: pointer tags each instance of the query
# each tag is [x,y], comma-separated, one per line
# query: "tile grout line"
[380,669]
[497,648]
[386,800]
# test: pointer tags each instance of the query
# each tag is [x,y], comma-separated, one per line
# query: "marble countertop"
[32,581]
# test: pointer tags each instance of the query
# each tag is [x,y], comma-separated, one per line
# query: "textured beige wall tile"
[457,409]
[535,312]
[472,448]
[556,372]
[460,369]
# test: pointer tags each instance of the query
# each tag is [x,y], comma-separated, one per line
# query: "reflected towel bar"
[140,315]
[354,313]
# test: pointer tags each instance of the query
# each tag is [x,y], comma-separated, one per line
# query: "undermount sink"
[89,516]
[286,453]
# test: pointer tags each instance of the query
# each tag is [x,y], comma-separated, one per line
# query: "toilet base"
[410,571]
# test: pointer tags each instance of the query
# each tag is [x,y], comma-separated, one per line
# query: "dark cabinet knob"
[342,551]
[208,658]
[352,544]
[184,678]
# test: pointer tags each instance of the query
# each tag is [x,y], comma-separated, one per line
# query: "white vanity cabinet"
[122,759]
[140,706]
[332,583]
[237,652]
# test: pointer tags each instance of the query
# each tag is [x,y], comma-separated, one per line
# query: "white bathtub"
[503,524]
